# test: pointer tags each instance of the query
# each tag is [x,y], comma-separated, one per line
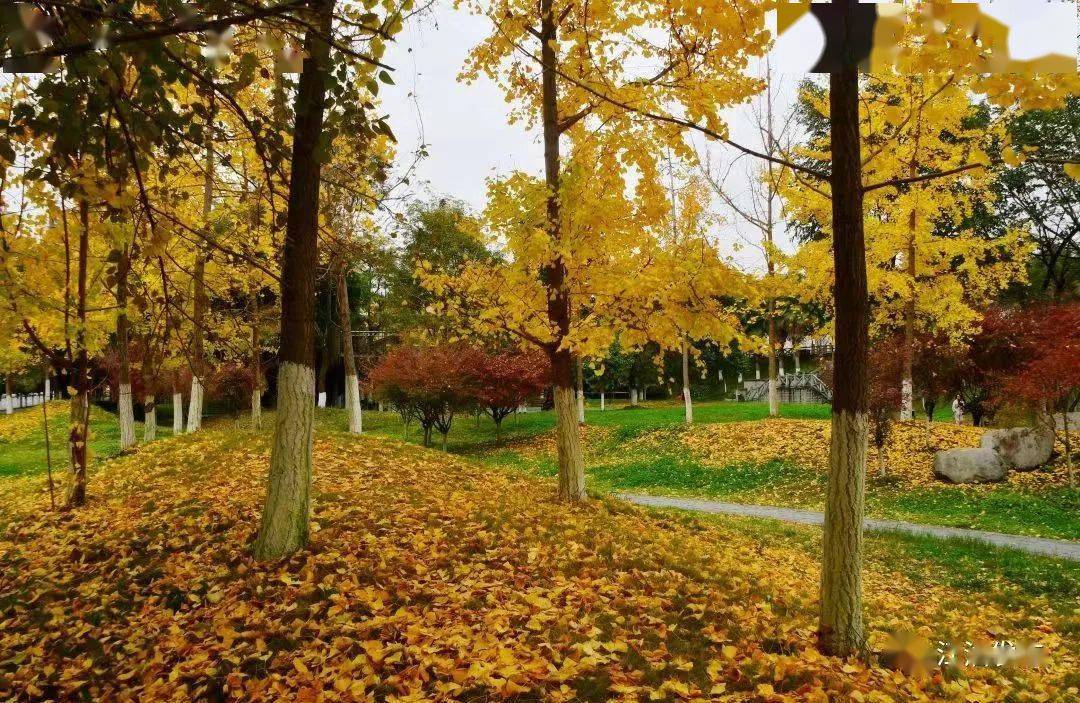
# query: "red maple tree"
[505,380]
[429,384]
[1049,379]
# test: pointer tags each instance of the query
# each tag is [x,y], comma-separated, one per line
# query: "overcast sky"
[470,141]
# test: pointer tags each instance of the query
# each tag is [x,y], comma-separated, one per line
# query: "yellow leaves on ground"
[909,452]
[592,438]
[432,578]
[24,423]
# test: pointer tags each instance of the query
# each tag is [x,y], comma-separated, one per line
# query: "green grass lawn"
[667,467]
[1007,574]
[27,455]
[469,434]
[1052,512]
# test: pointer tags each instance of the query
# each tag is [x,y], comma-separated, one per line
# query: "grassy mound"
[909,453]
[431,577]
[22,438]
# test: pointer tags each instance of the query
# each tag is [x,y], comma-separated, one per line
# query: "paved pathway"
[1066,549]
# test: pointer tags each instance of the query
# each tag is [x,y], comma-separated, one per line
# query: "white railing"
[18,401]
[757,390]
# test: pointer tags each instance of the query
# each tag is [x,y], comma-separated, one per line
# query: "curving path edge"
[1062,548]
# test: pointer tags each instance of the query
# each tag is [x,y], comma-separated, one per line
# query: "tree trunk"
[353,409]
[907,389]
[567,430]
[80,404]
[774,387]
[568,440]
[149,419]
[178,413]
[602,403]
[256,364]
[881,461]
[195,404]
[79,411]
[125,403]
[688,402]
[256,409]
[907,386]
[286,513]
[198,365]
[9,400]
[195,400]
[320,376]
[841,626]
[48,447]
[633,395]
[126,411]
[580,393]
[1068,445]
[797,369]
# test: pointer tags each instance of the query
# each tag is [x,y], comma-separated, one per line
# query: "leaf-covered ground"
[909,451]
[784,462]
[432,577]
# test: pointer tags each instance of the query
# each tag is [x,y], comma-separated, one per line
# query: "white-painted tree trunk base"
[774,398]
[127,417]
[354,410]
[581,408]
[568,441]
[633,396]
[149,419]
[195,405]
[957,411]
[841,627]
[688,406]
[48,389]
[177,414]
[322,399]
[286,513]
[602,403]
[256,409]
[907,403]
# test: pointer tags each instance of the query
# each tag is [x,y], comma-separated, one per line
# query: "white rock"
[979,465]
[1023,448]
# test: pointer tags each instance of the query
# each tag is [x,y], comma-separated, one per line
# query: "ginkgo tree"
[636,269]
[545,55]
[928,272]
[922,38]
